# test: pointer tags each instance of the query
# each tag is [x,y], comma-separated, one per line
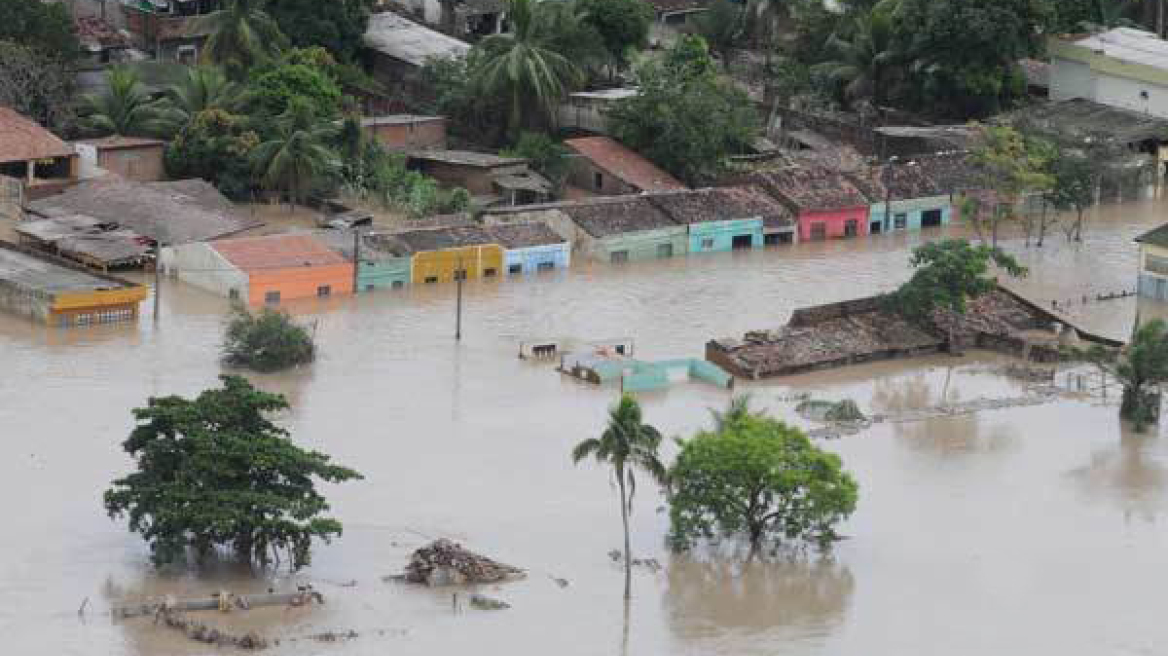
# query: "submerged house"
[531,247]
[448,254]
[1153,273]
[605,167]
[383,261]
[727,218]
[37,158]
[624,229]
[903,197]
[827,205]
[84,239]
[269,269]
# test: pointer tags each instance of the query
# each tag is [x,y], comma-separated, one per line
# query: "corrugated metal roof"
[1129,45]
[276,252]
[405,40]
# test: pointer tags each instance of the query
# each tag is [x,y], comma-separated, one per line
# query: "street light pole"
[157,279]
[459,274]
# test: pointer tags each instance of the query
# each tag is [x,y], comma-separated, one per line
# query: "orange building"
[269,269]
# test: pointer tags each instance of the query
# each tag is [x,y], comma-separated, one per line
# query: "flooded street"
[1037,529]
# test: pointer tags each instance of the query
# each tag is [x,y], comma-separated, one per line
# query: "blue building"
[903,196]
[727,218]
[531,248]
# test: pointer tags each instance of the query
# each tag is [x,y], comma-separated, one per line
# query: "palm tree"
[297,157]
[124,109]
[737,410]
[201,88]
[862,61]
[520,67]
[626,444]
[241,35]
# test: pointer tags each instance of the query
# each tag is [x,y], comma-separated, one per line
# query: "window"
[397,284]
[487,273]
[233,294]
[707,243]
[324,290]
[460,274]
[818,231]
[664,250]
[598,181]
[619,256]
[515,268]
[899,220]
[430,279]
[545,266]
[187,55]
[369,288]
[271,297]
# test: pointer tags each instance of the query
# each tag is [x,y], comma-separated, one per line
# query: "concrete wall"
[716,236]
[143,164]
[25,302]
[384,274]
[641,245]
[583,174]
[200,265]
[834,222]
[529,259]
[404,137]
[1070,79]
[477,180]
[1077,72]
[913,209]
[479,261]
[301,282]
[1126,92]
[1153,273]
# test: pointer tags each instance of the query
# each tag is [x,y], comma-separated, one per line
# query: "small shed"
[607,168]
[625,229]
[133,158]
[827,204]
[903,197]
[531,248]
[407,132]
[474,171]
[447,254]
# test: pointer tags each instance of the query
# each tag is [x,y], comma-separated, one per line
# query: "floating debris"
[443,562]
[200,632]
[483,602]
[222,601]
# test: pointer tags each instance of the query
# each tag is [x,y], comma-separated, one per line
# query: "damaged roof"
[616,215]
[1083,118]
[722,204]
[624,164]
[811,189]
[952,173]
[437,239]
[899,181]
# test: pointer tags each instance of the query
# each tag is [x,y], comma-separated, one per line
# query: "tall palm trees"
[520,67]
[241,35]
[862,61]
[297,156]
[124,109]
[627,444]
[201,88]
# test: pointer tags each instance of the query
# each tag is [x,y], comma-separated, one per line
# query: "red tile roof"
[276,252]
[22,139]
[624,164]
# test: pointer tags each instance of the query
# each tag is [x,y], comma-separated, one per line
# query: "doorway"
[741,242]
[851,228]
[930,218]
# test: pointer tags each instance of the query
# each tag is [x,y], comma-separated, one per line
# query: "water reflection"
[943,435]
[787,598]
[1131,474]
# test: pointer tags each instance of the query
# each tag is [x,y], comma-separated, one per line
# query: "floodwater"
[1035,529]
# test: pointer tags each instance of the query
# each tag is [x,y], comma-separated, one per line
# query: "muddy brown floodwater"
[1035,529]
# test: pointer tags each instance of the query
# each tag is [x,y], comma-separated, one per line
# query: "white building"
[1123,67]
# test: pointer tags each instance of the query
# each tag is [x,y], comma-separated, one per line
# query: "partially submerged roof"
[624,164]
[466,158]
[720,204]
[170,212]
[1155,237]
[374,246]
[603,217]
[23,139]
[437,239]
[59,227]
[276,252]
[811,189]
[87,237]
[27,270]
[1084,119]
[410,42]
[524,235]
[953,173]
[896,181]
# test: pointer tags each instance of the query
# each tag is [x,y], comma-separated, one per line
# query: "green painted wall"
[670,241]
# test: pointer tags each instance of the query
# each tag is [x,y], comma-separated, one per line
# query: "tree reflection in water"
[1130,474]
[937,435]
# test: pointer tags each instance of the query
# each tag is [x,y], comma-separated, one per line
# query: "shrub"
[267,341]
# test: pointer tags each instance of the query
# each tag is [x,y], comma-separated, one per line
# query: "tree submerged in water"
[1140,367]
[267,341]
[215,472]
[756,476]
[948,273]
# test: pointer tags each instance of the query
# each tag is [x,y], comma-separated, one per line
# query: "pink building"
[827,205]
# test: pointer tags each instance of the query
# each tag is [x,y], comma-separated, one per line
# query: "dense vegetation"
[947,274]
[214,472]
[266,341]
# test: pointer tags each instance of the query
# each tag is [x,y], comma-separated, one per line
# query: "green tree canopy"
[200,88]
[272,89]
[37,85]
[242,35]
[627,444]
[760,479]
[685,119]
[623,26]
[296,159]
[863,60]
[267,341]
[214,146]
[949,273]
[124,109]
[337,25]
[44,26]
[546,155]
[214,472]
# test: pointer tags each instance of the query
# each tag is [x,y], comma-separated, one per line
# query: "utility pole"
[356,258]
[459,274]
[157,279]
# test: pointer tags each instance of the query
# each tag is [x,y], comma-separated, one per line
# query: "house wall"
[1078,72]
[914,209]
[529,259]
[200,265]
[301,282]
[715,236]
[641,245]
[834,222]
[96,306]
[475,179]
[384,274]
[583,174]
[1070,79]
[584,114]
[143,164]
[441,265]
[1153,273]
[411,136]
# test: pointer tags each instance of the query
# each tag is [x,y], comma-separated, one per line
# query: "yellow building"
[439,254]
[61,293]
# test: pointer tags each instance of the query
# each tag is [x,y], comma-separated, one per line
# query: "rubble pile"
[443,562]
